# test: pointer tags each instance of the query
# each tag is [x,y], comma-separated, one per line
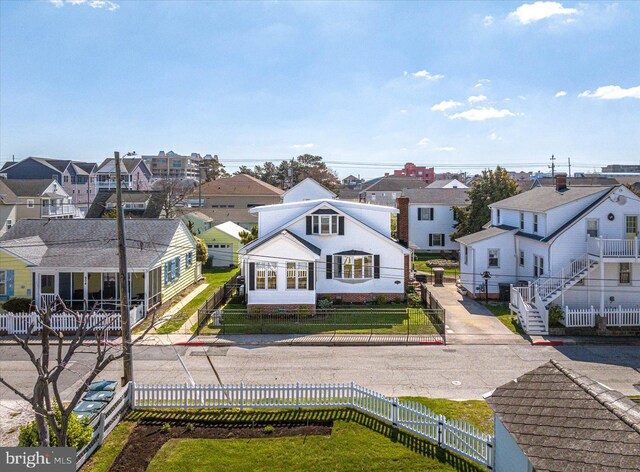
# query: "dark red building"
[426,174]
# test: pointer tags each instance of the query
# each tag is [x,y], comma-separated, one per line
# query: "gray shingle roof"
[392,182]
[542,199]
[220,215]
[127,165]
[486,234]
[600,181]
[27,187]
[92,242]
[437,196]
[108,196]
[565,421]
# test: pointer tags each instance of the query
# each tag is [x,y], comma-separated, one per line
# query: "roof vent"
[561,182]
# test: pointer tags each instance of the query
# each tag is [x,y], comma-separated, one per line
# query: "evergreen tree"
[490,187]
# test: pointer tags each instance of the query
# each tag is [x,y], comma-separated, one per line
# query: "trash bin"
[438,276]
[505,292]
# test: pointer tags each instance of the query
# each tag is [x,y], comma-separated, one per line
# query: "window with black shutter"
[376,266]
[329,269]
[312,276]
[252,275]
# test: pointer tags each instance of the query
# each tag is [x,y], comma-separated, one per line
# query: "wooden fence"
[215,300]
[21,323]
[454,435]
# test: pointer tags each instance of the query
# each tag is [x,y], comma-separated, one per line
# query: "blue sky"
[368,86]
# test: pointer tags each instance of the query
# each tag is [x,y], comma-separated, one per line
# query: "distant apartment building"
[77,178]
[175,166]
[426,174]
[621,168]
[134,173]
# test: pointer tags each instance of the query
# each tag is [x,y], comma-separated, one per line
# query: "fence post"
[440,430]
[490,452]
[297,395]
[184,396]
[101,429]
[132,395]
[241,396]
[394,412]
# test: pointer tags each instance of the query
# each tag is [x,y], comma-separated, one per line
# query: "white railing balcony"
[614,248]
[58,210]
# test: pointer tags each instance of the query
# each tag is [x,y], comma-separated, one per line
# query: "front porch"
[97,291]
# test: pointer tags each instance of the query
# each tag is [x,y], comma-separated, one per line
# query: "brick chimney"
[561,182]
[403,220]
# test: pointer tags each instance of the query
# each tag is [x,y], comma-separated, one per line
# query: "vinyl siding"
[215,236]
[21,275]
[181,244]
[442,223]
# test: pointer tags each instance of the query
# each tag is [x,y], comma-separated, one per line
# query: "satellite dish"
[622,200]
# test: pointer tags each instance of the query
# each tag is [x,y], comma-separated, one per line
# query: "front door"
[631,226]
[47,284]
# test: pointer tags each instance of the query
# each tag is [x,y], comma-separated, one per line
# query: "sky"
[367,85]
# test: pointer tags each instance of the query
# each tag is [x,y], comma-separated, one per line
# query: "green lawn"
[476,412]
[347,319]
[215,278]
[501,312]
[420,264]
[357,442]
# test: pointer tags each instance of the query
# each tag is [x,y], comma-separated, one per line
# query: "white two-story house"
[576,247]
[309,249]
[426,218]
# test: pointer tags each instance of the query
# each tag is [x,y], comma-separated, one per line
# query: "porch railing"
[58,210]
[23,323]
[604,247]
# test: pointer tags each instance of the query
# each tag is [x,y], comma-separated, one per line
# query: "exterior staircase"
[530,302]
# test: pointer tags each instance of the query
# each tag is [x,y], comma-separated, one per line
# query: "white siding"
[588,293]
[472,280]
[560,215]
[508,455]
[442,223]
[306,190]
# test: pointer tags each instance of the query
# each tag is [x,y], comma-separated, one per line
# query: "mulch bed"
[146,439]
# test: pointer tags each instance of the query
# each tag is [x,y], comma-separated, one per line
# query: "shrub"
[556,314]
[268,429]
[165,428]
[414,300]
[325,303]
[79,433]
[381,300]
[190,426]
[17,305]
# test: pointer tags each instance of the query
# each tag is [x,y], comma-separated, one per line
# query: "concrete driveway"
[469,322]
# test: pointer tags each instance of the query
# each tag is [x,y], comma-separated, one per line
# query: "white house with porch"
[76,261]
[309,249]
[576,247]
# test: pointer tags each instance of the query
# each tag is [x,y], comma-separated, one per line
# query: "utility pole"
[553,167]
[569,160]
[127,359]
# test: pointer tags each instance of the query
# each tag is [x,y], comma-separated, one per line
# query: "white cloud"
[477,98]
[493,136]
[445,105]
[532,12]
[302,146]
[561,93]
[487,20]
[612,92]
[481,114]
[424,142]
[482,83]
[95,4]
[403,111]
[424,74]
[446,149]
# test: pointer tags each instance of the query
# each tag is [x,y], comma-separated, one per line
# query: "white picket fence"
[458,436]
[618,316]
[20,323]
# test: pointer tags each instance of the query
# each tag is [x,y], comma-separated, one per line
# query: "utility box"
[438,276]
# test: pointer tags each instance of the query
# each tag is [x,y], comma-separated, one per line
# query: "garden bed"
[151,433]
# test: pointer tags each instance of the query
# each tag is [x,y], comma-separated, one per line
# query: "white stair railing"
[547,286]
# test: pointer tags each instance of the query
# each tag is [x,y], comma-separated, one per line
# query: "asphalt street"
[455,372]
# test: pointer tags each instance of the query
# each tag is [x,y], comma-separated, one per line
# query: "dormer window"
[521,220]
[325,223]
[535,223]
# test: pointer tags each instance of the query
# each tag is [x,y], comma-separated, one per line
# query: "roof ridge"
[614,405]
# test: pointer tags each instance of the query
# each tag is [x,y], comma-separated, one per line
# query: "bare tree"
[53,361]
[173,192]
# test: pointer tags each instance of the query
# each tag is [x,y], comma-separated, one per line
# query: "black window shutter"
[430,239]
[376,266]
[341,225]
[311,275]
[442,240]
[309,222]
[419,214]
[338,265]
[329,274]
[252,275]
[431,214]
